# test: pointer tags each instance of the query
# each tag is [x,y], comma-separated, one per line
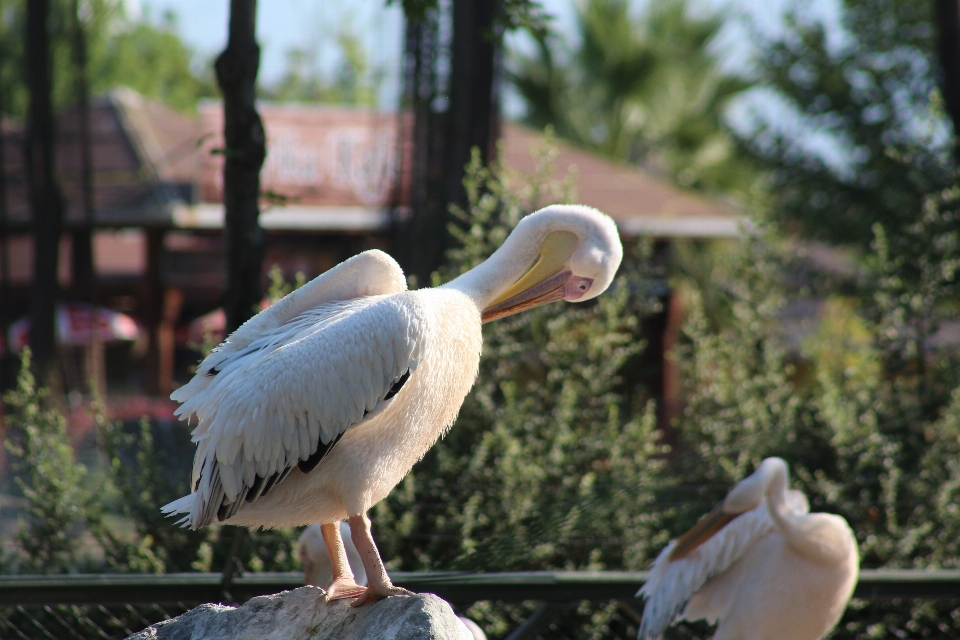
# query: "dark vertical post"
[474,100]
[455,107]
[45,200]
[947,17]
[245,149]
[84,278]
[152,311]
[5,316]
[420,239]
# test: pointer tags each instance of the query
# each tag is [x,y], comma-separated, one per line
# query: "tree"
[642,90]
[872,140]
[48,476]
[353,82]
[244,151]
[46,203]
[146,55]
[865,411]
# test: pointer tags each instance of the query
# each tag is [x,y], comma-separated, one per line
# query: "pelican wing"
[291,395]
[282,399]
[367,274]
[671,583]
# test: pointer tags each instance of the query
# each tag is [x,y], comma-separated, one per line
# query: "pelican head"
[561,252]
[752,490]
[750,493]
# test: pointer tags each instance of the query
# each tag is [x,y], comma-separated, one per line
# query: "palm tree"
[644,90]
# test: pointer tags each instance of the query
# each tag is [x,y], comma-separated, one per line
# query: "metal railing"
[116,605]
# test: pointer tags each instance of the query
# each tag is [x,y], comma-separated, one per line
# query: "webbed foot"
[379,592]
[344,588]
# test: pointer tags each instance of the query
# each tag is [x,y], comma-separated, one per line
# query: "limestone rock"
[303,614]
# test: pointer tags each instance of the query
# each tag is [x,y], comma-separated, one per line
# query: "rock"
[303,614]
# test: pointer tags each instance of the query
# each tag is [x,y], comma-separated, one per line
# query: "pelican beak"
[705,529]
[547,291]
[543,282]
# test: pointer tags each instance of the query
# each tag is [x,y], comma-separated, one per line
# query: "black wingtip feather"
[261,486]
[308,465]
[395,389]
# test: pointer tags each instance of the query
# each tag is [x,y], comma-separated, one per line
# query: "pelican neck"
[776,489]
[506,265]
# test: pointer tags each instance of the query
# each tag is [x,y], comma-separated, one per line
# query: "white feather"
[671,583]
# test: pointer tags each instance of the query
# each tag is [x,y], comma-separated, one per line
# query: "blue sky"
[313,24]
[285,24]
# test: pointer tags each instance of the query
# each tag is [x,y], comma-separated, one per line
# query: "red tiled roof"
[638,201]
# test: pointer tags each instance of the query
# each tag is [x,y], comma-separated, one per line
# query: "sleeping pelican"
[314,409]
[760,564]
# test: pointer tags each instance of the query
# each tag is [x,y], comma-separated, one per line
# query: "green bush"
[55,518]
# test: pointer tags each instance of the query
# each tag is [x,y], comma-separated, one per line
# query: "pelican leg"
[378,582]
[344,584]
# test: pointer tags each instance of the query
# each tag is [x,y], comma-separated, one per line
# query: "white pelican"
[313,553]
[760,564]
[314,409]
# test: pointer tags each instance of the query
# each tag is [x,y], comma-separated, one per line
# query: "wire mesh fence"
[104,607]
[82,622]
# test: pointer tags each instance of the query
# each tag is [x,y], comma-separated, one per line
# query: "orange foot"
[379,592]
[343,588]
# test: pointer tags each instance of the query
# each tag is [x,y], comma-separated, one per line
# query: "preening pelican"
[314,409]
[760,564]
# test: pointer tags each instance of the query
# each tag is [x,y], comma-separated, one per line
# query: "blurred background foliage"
[145,54]
[560,458]
[641,89]
[148,55]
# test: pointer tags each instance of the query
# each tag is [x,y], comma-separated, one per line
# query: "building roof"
[337,169]
[640,203]
[327,169]
[143,161]
[317,155]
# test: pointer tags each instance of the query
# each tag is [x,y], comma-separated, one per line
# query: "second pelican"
[759,566]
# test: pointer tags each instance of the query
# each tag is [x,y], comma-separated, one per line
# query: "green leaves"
[147,56]
[50,479]
[873,103]
[864,407]
[642,90]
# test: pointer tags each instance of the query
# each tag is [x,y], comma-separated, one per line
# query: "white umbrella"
[77,324]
